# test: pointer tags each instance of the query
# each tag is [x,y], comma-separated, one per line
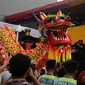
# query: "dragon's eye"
[67,18]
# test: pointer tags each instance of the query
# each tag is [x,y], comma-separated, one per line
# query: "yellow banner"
[77,33]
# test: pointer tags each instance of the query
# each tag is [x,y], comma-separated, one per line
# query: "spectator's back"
[48,78]
[68,79]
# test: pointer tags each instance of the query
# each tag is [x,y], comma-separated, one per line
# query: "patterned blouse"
[17,82]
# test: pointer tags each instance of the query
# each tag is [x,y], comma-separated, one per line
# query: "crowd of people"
[20,70]
[78,53]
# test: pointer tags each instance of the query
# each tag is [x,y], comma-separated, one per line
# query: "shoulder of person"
[41,76]
[56,80]
[5,83]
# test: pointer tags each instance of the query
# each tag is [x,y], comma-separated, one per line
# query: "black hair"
[51,64]
[27,30]
[71,66]
[80,40]
[19,64]
[80,83]
[42,71]
[33,66]
[33,46]
[61,72]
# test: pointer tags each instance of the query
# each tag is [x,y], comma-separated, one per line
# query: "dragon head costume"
[54,29]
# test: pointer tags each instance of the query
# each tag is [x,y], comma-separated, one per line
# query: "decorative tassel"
[66,49]
[63,56]
[58,55]
[42,16]
[51,53]
[68,53]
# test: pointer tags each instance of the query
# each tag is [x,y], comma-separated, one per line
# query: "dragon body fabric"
[8,43]
[57,42]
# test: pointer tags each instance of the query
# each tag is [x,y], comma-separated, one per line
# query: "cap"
[27,30]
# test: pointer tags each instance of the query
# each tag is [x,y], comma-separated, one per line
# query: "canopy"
[19,28]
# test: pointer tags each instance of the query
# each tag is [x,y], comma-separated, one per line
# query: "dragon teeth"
[60,38]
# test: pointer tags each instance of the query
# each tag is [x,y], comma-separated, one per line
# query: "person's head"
[42,71]
[33,66]
[71,67]
[27,32]
[51,65]
[61,72]
[81,78]
[19,65]
[80,42]
[33,46]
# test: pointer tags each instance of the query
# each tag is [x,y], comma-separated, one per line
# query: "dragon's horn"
[43,15]
[68,17]
[37,18]
[59,13]
[68,14]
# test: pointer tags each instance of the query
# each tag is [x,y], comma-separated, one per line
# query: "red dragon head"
[55,28]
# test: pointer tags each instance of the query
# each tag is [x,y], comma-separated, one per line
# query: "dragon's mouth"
[60,38]
[60,34]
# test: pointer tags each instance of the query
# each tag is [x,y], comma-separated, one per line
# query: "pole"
[17,36]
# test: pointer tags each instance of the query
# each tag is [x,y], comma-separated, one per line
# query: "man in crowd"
[28,41]
[79,54]
[48,78]
[69,78]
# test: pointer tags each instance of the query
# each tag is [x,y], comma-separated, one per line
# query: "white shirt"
[5,75]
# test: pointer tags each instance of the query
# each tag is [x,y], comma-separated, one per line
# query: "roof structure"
[66,4]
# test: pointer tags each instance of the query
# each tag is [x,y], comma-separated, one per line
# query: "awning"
[19,28]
